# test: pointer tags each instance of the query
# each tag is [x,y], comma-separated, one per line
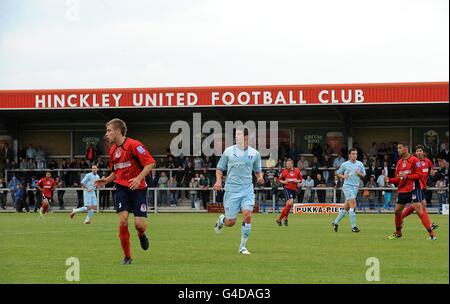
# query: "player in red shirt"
[427,170]
[46,185]
[290,177]
[130,163]
[408,173]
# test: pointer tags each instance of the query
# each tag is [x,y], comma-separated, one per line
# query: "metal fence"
[268,199]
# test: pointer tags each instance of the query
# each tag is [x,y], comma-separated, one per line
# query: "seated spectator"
[371,184]
[198,163]
[338,161]
[309,192]
[327,164]
[303,164]
[84,164]
[23,164]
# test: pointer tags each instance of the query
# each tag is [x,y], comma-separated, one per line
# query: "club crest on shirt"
[118,152]
[418,164]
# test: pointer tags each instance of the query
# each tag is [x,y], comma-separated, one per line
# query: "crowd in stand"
[317,168]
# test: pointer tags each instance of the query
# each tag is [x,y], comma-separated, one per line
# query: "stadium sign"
[317,208]
[294,95]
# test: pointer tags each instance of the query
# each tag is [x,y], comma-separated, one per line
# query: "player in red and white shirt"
[408,174]
[46,186]
[130,163]
[290,177]
[427,170]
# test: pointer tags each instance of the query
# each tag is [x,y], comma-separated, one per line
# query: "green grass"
[185,249]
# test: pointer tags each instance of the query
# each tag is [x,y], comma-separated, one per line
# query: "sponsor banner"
[317,208]
[191,97]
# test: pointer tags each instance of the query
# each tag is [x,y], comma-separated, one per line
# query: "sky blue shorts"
[90,199]
[350,192]
[236,200]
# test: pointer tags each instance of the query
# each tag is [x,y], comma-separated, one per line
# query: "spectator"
[91,153]
[53,165]
[317,150]
[394,152]
[193,193]
[204,183]
[382,150]
[443,154]
[6,155]
[172,183]
[179,177]
[327,164]
[152,183]
[189,171]
[442,193]
[373,169]
[327,150]
[60,193]
[84,164]
[303,165]
[293,154]
[338,161]
[360,152]
[381,183]
[198,163]
[40,164]
[3,193]
[208,162]
[321,194]
[371,197]
[79,194]
[337,184]
[20,201]
[274,185]
[31,164]
[31,186]
[23,165]
[162,184]
[309,192]
[101,164]
[22,152]
[387,195]
[301,192]
[40,157]
[12,185]
[315,166]
[31,152]
[373,151]
[365,160]
[65,174]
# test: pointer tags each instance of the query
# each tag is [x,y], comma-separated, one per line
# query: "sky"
[161,43]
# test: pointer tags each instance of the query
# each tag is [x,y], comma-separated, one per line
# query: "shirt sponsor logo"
[122,165]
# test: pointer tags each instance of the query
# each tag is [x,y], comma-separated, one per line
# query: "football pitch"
[185,249]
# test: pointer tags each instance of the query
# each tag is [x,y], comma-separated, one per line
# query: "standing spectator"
[31,192]
[40,164]
[162,184]
[360,152]
[373,169]
[315,166]
[317,150]
[443,154]
[337,184]
[309,192]
[189,171]
[6,156]
[12,185]
[3,193]
[208,162]
[381,183]
[172,183]
[22,152]
[371,184]
[303,165]
[274,193]
[31,152]
[301,192]
[40,157]
[179,177]
[387,195]
[204,183]
[442,193]
[91,153]
[20,198]
[60,193]
[327,164]
[101,163]
[321,194]
[382,150]
[373,151]
[152,183]
[338,161]
[193,193]
[80,197]
[23,165]
[65,173]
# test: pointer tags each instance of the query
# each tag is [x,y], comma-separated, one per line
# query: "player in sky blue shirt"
[90,199]
[351,171]
[239,161]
